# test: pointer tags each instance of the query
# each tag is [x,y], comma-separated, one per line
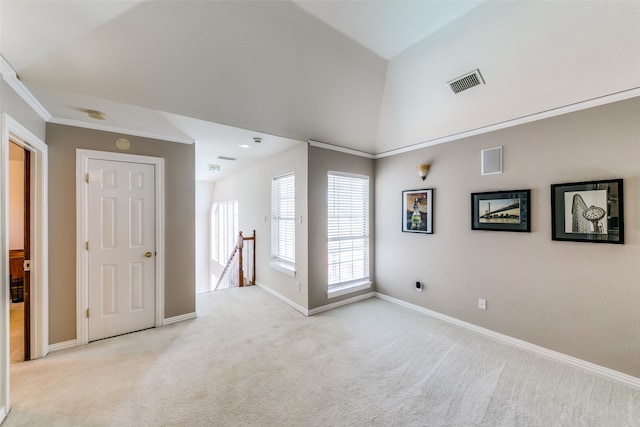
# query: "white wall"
[593,46]
[204,195]
[252,189]
[16,202]
[579,299]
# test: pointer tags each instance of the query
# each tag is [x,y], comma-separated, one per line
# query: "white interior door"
[121,247]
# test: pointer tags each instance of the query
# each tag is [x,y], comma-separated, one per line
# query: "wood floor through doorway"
[16,313]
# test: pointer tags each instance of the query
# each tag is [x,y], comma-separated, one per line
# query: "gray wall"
[322,161]
[179,221]
[580,299]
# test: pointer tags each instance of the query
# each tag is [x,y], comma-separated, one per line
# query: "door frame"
[14,131]
[82,256]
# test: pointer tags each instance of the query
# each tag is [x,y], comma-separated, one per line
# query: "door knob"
[148,254]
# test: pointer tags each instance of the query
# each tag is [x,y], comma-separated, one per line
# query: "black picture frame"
[417,211]
[590,211]
[511,210]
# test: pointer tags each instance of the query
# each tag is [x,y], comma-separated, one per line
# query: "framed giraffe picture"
[501,210]
[417,211]
[590,211]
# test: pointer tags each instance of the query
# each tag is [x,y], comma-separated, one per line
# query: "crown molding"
[11,78]
[333,147]
[578,106]
[113,129]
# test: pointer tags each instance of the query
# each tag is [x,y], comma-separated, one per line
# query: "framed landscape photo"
[501,210]
[417,211]
[590,211]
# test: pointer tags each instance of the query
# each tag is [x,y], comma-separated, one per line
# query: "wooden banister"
[237,253]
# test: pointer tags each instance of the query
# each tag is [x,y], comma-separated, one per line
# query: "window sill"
[347,289]
[289,270]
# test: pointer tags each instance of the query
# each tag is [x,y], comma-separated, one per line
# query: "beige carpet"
[250,360]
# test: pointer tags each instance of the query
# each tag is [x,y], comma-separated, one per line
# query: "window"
[283,223]
[348,232]
[224,230]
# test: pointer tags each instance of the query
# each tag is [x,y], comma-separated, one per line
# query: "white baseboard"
[316,310]
[551,354]
[73,343]
[282,298]
[62,345]
[341,303]
[3,414]
[176,319]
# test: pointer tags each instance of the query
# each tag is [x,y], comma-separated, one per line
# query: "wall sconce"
[422,171]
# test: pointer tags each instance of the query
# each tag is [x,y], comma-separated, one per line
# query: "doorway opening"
[19,253]
[37,302]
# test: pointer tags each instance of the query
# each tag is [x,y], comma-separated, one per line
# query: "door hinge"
[86,178]
[86,246]
[87,313]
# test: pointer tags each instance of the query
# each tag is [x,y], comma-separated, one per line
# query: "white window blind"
[348,229]
[283,221]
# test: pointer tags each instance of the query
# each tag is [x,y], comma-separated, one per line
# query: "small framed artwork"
[417,211]
[590,211]
[501,210]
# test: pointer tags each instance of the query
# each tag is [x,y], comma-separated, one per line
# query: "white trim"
[282,298]
[340,303]
[9,75]
[545,352]
[82,161]
[114,129]
[332,147]
[3,414]
[11,129]
[348,289]
[180,318]
[63,345]
[287,269]
[578,106]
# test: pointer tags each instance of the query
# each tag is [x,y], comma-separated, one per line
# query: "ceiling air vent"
[227,158]
[465,82]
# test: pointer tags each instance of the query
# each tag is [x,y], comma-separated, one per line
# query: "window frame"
[283,223]
[350,282]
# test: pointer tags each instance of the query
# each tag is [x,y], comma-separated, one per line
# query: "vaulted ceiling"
[366,75]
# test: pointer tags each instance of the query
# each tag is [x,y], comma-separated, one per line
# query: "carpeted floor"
[250,360]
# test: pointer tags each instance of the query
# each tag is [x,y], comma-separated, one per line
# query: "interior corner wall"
[321,161]
[179,202]
[251,187]
[580,299]
[204,194]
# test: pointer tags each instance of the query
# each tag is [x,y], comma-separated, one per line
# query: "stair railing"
[233,274]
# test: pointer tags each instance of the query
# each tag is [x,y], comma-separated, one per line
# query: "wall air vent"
[227,158]
[465,82]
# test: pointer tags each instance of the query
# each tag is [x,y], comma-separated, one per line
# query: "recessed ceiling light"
[98,115]
[244,146]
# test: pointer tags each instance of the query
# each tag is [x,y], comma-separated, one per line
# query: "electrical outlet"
[482,303]
[419,287]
